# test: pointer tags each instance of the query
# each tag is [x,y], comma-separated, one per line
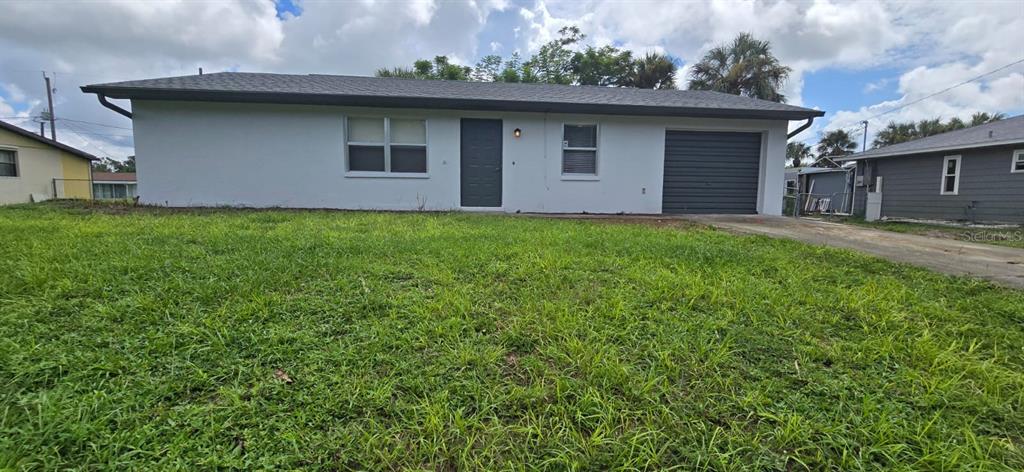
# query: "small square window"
[365,158]
[412,159]
[366,130]
[579,149]
[8,163]
[408,132]
[1018,161]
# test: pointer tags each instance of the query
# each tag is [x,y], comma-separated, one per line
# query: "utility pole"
[865,147]
[49,99]
[42,129]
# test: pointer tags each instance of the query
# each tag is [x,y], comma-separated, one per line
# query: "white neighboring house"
[114,185]
[322,141]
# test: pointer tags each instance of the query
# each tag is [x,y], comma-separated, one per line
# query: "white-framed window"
[950,175]
[790,186]
[1018,161]
[113,191]
[8,162]
[386,145]
[579,149]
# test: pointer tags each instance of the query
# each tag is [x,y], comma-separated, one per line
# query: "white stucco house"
[322,141]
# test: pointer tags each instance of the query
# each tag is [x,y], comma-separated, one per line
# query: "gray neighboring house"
[974,174]
[822,188]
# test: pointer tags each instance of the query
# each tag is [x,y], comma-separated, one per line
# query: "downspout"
[117,109]
[799,178]
[801,128]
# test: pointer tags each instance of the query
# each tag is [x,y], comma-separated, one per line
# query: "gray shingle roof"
[411,93]
[1006,131]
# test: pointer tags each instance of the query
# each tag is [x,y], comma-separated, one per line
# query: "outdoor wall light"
[517,133]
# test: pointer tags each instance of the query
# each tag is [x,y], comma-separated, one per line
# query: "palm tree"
[835,143]
[930,127]
[652,71]
[895,133]
[981,118]
[745,67]
[955,123]
[798,153]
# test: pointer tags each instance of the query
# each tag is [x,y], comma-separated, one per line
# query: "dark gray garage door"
[711,172]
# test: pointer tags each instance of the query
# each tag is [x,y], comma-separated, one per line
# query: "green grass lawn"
[1003,236]
[144,338]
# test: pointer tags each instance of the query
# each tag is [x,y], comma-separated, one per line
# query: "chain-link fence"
[803,204]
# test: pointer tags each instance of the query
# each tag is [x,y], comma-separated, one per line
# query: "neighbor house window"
[579,149]
[387,145]
[113,191]
[950,175]
[8,163]
[1018,161]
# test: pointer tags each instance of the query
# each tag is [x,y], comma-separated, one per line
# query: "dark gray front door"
[711,172]
[480,164]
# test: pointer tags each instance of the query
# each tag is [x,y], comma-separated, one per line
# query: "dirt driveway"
[1002,265]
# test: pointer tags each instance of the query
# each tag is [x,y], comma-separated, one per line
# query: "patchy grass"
[137,339]
[1007,236]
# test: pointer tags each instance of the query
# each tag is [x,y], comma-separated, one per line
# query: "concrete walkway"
[1002,265]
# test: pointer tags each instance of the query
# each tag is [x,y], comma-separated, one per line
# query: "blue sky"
[852,60]
[286,7]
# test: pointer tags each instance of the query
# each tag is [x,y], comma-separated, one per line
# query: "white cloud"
[1005,93]
[5,109]
[93,42]
[14,92]
[360,37]
[937,43]
[877,85]
[805,36]
[90,42]
[931,44]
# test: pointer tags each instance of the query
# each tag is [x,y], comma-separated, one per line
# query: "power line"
[92,133]
[851,127]
[87,141]
[999,69]
[94,123]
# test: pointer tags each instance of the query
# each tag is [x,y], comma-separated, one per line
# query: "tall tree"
[894,133]
[553,62]
[798,153]
[513,71]
[399,72]
[488,69]
[930,127]
[834,143]
[898,132]
[113,165]
[445,70]
[653,71]
[559,61]
[605,66]
[744,67]
[441,68]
